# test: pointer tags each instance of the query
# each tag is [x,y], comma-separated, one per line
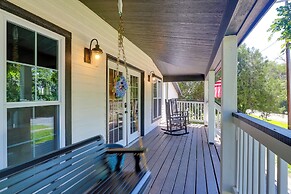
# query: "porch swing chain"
[121,48]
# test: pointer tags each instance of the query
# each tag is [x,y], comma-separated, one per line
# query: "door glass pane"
[116,109]
[20,44]
[47,84]
[47,50]
[20,83]
[32,132]
[134,101]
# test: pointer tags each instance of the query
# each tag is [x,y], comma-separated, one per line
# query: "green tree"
[192,90]
[282,24]
[260,82]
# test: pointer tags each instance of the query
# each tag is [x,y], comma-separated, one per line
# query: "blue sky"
[258,38]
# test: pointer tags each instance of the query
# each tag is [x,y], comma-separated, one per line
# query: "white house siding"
[172,93]
[89,80]
[169,92]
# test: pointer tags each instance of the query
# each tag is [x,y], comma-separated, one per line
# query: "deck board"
[190,184]
[180,164]
[179,185]
[209,166]
[201,178]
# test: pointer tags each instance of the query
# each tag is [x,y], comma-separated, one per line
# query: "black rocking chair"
[176,122]
[176,111]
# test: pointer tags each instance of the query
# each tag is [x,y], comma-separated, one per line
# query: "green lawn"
[42,133]
[278,123]
[36,127]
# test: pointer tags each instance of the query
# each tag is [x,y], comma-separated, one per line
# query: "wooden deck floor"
[181,164]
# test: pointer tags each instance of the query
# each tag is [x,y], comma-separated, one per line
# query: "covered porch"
[178,41]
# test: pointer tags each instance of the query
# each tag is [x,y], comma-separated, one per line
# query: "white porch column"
[229,105]
[211,113]
[167,91]
[206,102]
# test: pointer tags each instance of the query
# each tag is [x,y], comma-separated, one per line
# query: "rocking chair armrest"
[120,151]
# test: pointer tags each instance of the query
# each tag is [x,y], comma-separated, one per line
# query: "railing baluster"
[270,172]
[255,166]
[192,111]
[198,115]
[195,111]
[250,164]
[241,138]
[282,176]
[245,150]
[262,169]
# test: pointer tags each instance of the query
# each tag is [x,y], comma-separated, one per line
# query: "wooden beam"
[181,78]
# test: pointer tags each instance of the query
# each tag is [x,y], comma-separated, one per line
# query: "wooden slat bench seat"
[79,168]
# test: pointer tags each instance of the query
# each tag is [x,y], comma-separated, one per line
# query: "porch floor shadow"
[180,164]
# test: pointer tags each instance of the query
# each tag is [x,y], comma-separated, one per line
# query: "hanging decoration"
[120,81]
[120,86]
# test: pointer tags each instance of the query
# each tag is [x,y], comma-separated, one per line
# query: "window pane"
[31,136]
[20,83]
[20,44]
[155,108]
[47,84]
[19,140]
[47,50]
[44,130]
[160,107]
[155,90]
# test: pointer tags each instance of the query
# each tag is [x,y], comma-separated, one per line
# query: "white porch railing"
[217,109]
[263,151]
[196,110]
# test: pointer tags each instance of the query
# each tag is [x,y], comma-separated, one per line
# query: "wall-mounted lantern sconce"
[153,76]
[94,52]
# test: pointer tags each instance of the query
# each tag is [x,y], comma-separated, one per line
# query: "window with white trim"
[33,91]
[157,99]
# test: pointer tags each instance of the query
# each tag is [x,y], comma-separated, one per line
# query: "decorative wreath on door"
[121,86]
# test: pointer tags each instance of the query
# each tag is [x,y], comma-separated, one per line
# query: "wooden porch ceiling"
[182,37]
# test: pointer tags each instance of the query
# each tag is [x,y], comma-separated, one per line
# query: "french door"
[123,113]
